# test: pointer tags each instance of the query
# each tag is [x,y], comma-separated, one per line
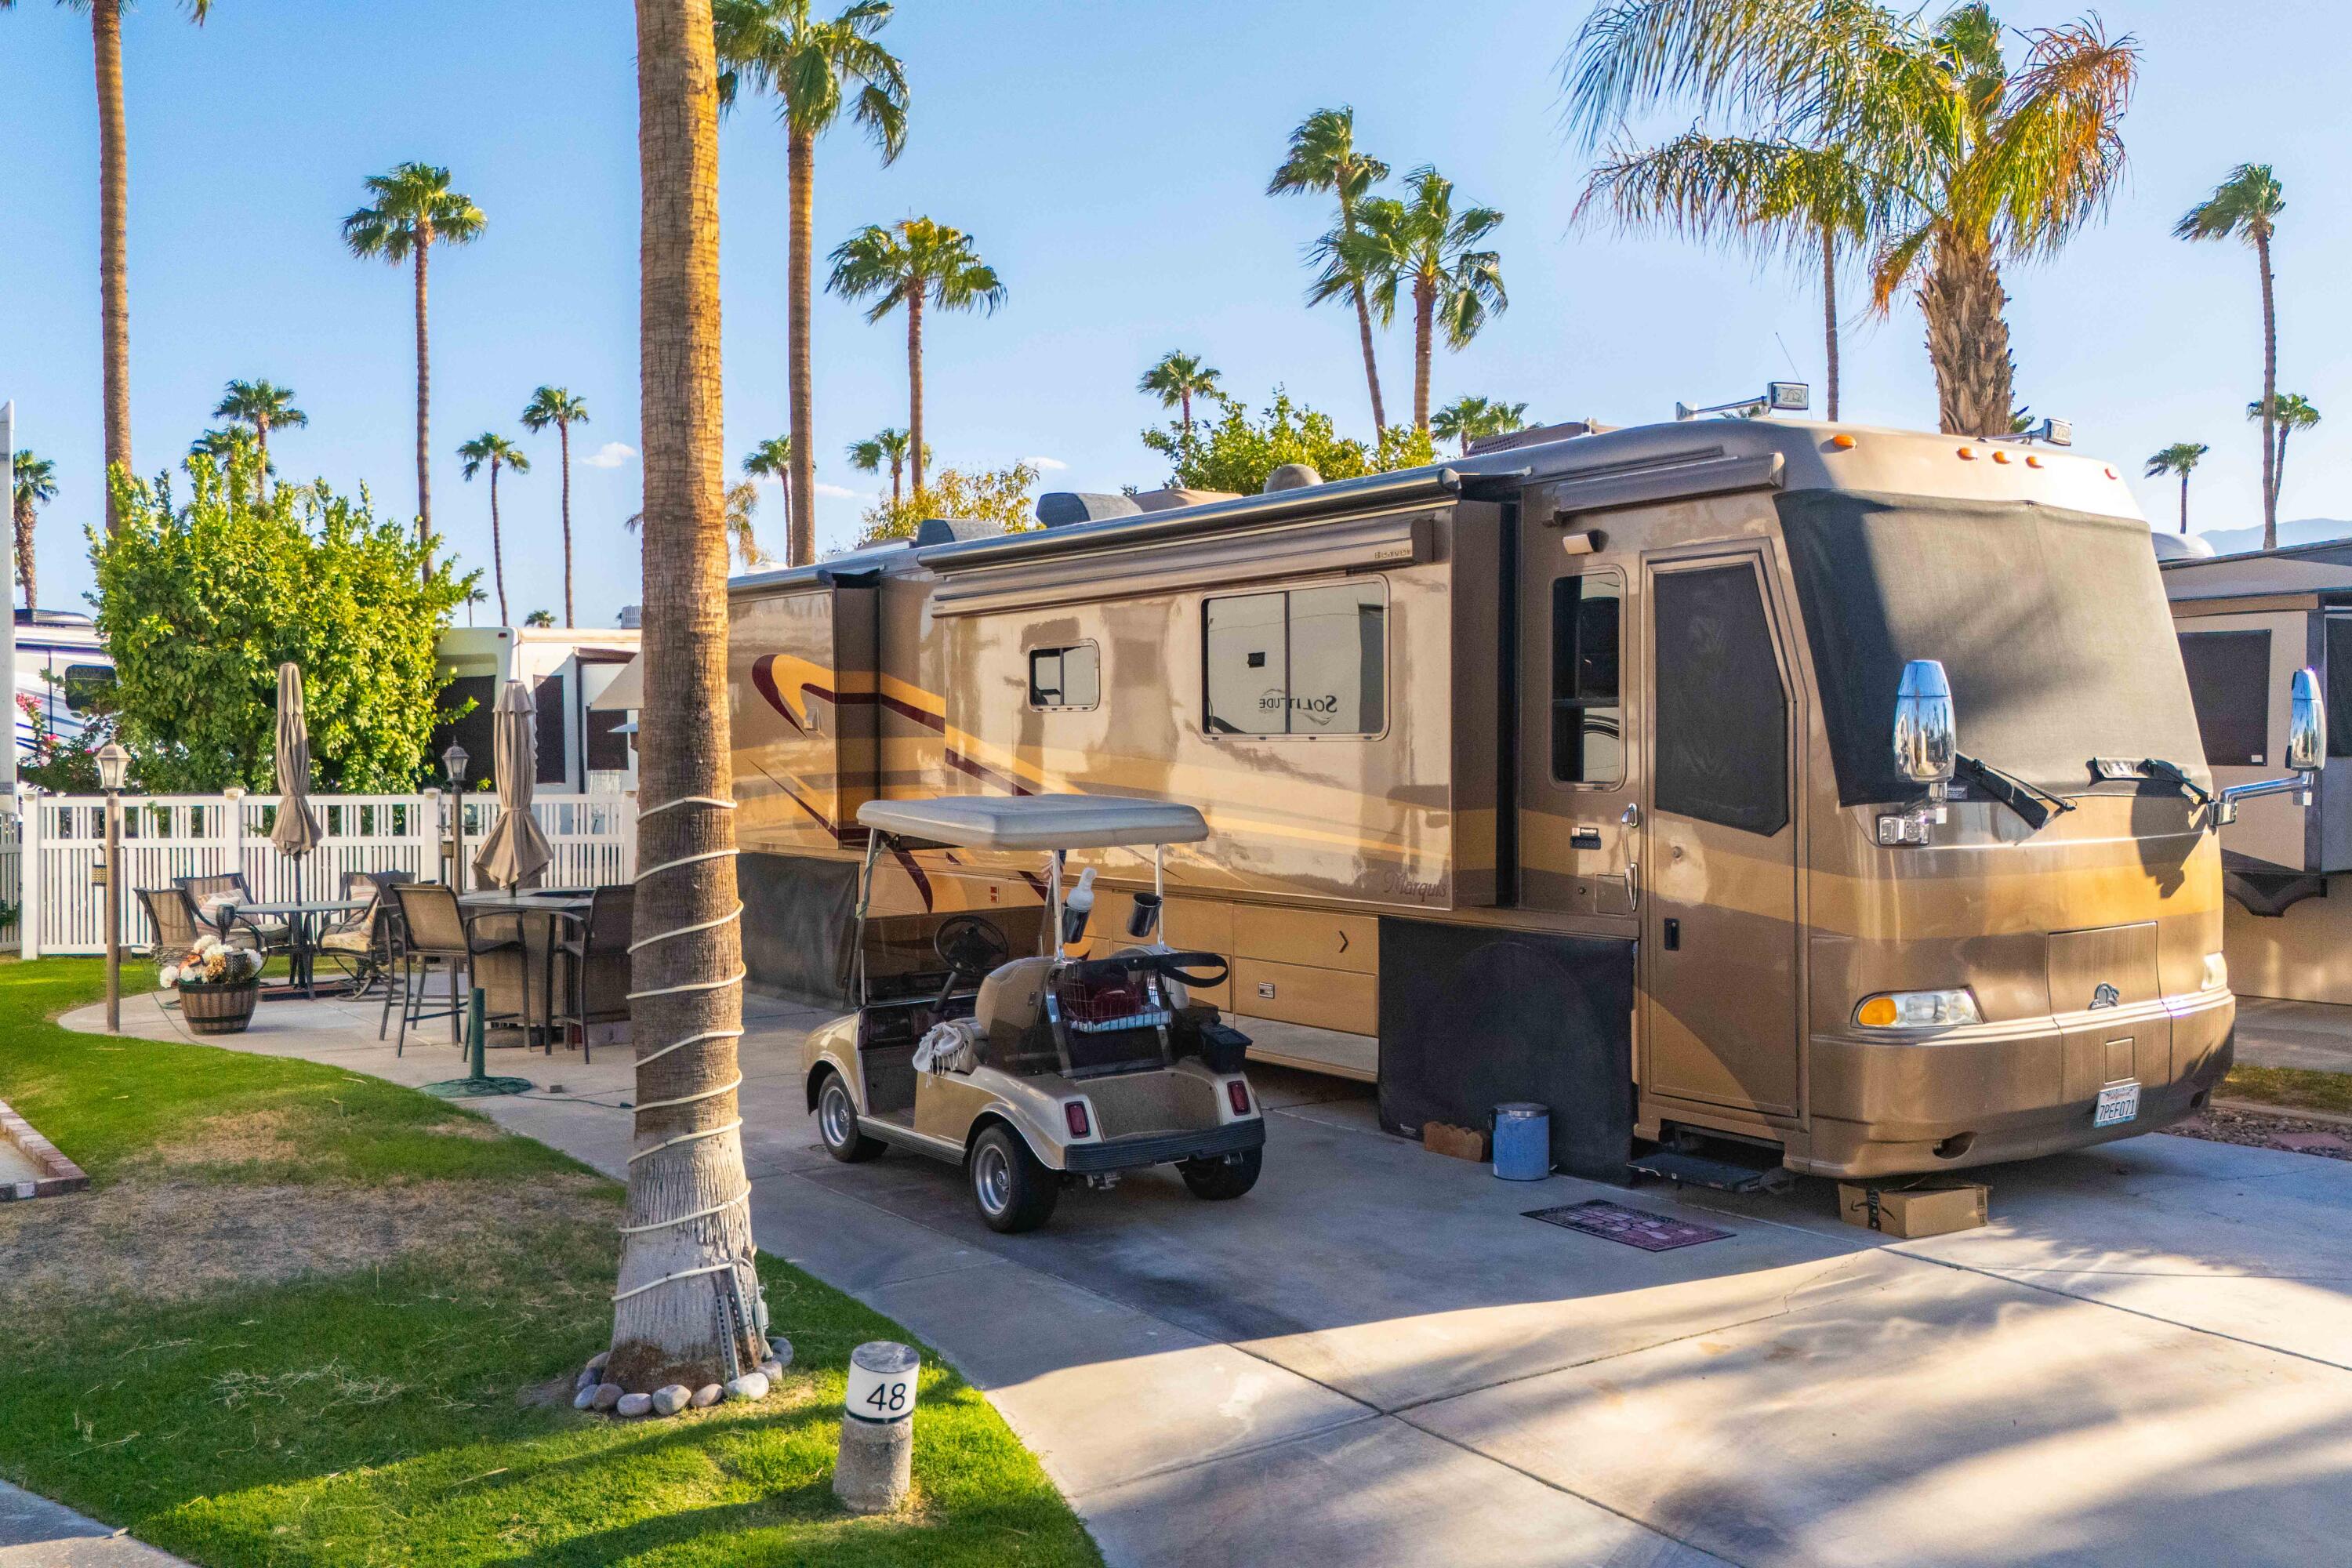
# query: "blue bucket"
[1522,1141]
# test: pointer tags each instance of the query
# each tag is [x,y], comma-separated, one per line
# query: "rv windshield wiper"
[2037,807]
[2172,773]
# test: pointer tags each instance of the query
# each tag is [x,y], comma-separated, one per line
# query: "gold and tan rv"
[1568,773]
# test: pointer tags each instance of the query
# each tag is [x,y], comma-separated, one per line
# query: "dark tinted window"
[2229,680]
[2339,686]
[84,683]
[1722,716]
[548,699]
[1065,677]
[1587,731]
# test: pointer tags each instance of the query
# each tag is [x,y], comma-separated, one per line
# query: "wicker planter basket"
[218,1009]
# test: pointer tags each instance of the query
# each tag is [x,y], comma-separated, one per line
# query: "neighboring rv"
[1565,773]
[62,666]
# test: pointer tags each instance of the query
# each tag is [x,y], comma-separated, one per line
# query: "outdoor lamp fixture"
[453,762]
[113,773]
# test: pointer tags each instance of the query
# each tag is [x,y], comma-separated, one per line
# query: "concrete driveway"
[2146,1359]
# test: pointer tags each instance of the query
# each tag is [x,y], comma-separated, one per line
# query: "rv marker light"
[1999,456]
[1968,454]
[1842,443]
[2031,460]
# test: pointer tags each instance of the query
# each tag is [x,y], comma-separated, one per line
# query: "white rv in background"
[62,665]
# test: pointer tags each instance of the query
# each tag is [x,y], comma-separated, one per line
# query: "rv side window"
[1587,731]
[85,683]
[1065,677]
[2339,686]
[2229,682]
[1721,716]
[1309,661]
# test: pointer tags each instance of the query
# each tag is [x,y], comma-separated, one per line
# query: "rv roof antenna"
[1780,397]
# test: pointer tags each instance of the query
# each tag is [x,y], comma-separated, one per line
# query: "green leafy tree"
[1422,246]
[1178,379]
[1004,496]
[1469,420]
[226,446]
[1324,158]
[1986,160]
[2180,458]
[2246,207]
[2291,412]
[199,603]
[68,764]
[114,222]
[884,446]
[1235,452]
[413,210]
[814,69]
[35,485]
[554,406]
[494,452]
[920,264]
[261,406]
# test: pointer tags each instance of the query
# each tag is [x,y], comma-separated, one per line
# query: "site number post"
[877,1429]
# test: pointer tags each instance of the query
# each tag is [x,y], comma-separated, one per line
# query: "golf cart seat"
[1011,1011]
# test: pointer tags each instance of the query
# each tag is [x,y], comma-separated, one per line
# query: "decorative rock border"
[590,1392]
[63,1174]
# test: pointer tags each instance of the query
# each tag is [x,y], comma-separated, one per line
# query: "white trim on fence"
[47,853]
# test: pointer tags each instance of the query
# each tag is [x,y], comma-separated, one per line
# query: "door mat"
[1615,1222]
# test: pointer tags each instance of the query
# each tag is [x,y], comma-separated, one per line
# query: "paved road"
[2146,1358]
[2277,1034]
[37,1533]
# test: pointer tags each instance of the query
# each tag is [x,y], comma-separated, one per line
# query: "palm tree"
[261,406]
[2246,207]
[1423,244]
[1323,157]
[814,69]
[2291,412]
[743,504]
[35,485]
[687,1276]
[2178,458]
[1984,160]
[540,619]
[1178,379]
[114,228]
[914,262]
[1467,419]
[1765,195]
[554,406]
[497,452]
[415,209]
[884,446]
[474,596]
[771,459]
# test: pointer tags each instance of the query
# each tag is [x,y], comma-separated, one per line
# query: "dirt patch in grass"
[2222,1124]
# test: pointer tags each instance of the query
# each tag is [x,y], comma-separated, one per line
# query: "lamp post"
[453,762]
[113,769]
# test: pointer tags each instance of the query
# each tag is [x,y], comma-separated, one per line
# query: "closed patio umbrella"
[297,831]
[516,852]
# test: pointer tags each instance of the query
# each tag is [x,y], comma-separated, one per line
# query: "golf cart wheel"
[1012,1191]
[1226,1176]
[836,1123]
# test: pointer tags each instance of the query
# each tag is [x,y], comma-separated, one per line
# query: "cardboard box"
[1910,1213]
[1461,1142]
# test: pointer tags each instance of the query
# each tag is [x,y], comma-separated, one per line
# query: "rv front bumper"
[1988,1093]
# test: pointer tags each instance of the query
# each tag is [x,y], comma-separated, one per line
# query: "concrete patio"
[2145,1358]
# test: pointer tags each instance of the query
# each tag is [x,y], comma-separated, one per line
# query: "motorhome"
[62,669]
[1567,773]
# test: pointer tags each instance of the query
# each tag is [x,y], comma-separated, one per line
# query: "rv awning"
[628,689]
[1036,821]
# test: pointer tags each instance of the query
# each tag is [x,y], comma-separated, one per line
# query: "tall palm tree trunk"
[1425,324]
[1372,364]
[2272,448]
[1967,339]
[1188,413]
[424,411]
[2184,500]
[1829,314]
[563,442]
[26,517]
[113,242]
[261,444]
[800,502]
[2278,482]
[498,550]
[687,1276]
[897,467]
[915,381]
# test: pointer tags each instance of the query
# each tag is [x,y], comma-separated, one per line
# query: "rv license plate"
[2119,1102]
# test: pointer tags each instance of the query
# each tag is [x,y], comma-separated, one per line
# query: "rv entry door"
[1577,840]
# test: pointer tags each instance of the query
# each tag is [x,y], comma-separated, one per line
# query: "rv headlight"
[1918,1010]
[2217,972]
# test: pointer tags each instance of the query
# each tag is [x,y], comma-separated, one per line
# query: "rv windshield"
[2052,625]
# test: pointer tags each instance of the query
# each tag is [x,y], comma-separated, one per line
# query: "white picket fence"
[48,852]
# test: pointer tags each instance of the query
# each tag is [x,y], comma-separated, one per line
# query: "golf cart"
[1036,1072]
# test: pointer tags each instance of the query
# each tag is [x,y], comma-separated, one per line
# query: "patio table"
[538,913]
[302,945]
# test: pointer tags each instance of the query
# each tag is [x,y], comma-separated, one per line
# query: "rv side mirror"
[2306,734]
[1925,737]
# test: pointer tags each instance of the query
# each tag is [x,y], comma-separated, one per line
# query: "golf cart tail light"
[1918,1010]
[2217,972]
[1073,1111]
[1237,1095]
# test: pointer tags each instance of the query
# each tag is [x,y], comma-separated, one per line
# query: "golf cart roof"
[1043,822]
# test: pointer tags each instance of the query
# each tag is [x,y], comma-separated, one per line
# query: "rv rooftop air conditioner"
[948,529]
[1059,509]
[1291,477]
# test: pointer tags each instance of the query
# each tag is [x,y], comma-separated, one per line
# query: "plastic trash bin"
[1522,1141]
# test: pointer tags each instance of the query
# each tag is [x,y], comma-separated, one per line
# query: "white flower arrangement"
[211,963]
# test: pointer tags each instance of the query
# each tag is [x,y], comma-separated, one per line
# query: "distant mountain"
[2302,530]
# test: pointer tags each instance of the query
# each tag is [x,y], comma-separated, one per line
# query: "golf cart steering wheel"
[968,944]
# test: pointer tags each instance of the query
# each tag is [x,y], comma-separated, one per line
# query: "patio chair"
[595,948]
[173,920]
[206,895]
[437,933]
[362,940]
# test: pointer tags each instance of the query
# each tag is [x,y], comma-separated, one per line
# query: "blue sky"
[1109,160]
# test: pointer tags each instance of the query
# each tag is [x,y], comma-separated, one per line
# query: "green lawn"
[304,1316]
[2290,1088]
